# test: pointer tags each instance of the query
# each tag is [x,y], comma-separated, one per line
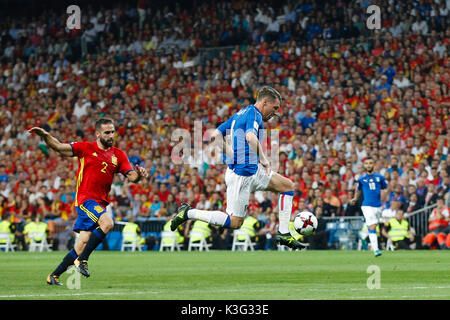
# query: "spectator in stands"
[270,232]
[3,174]
[421,191]
[412,204]
[332,204]
[438,226]
[171,206]
[432,195]
[348,209]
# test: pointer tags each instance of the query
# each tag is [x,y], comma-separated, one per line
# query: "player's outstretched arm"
[355,198]
[63,149]
[137,174]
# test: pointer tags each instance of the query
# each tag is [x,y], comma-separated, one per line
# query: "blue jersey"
[245,161]
[371,186]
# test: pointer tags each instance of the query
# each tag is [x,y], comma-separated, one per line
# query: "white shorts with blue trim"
[239,189]
[371,214]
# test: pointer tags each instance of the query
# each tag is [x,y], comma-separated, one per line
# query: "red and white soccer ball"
[305,223]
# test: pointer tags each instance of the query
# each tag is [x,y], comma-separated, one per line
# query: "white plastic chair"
[201,245]
[8,245]
[242,244]
[283,248]
[42,245]
[172,245]
[133,244]
[389,245]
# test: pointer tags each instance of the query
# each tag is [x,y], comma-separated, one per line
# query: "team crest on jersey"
[98,209]
[378,179]
[114,160]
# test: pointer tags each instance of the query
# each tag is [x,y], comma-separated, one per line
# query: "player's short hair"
[102,121]
[268,92]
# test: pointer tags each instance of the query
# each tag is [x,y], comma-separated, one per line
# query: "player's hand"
[39,131]
[141,171]
[352,202]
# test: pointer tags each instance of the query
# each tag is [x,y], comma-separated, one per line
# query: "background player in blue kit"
[248,171]
[371,185]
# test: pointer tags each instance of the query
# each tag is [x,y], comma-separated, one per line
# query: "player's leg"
[98,216]
[67,261]
[371,217]
[215,217]
[73,254]
[285,188]
[105,223]
[373,238]
[237,201]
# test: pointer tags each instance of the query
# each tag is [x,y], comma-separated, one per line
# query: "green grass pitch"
[226,275]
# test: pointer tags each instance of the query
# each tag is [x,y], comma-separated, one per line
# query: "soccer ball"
[305,223]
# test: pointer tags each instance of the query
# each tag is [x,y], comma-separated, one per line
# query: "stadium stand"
[348,92]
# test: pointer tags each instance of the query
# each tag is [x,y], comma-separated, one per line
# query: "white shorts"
[239,189]
[371,214]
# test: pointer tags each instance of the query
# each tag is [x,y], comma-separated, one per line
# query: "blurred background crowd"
[154,67]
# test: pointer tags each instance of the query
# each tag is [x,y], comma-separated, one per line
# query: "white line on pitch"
[73,294]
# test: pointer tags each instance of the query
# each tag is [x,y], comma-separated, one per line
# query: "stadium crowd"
[349,92]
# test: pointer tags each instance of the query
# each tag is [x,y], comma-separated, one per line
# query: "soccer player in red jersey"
[99,161]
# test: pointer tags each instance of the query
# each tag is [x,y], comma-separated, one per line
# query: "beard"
[107,143]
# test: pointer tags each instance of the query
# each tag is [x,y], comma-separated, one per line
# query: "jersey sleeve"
[225,126]
[252,123]
[78,148]
[124,163]
[359,184]
[383,181]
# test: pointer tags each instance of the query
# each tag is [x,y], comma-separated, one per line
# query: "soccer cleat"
[53,280]
[286,239]
[82,267]
[181,216]
[377,253]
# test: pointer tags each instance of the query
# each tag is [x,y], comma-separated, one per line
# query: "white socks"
[373,240]
[285,211]
[217,218]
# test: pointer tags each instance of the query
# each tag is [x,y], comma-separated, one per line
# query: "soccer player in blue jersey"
[370,185]
[248,170]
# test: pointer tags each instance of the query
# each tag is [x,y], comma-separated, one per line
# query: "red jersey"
[96,170]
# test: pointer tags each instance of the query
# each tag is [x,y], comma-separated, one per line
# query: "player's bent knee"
[107,227]
[106,223]
[289,185]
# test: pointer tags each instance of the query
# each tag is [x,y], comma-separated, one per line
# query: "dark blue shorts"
[88,214]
